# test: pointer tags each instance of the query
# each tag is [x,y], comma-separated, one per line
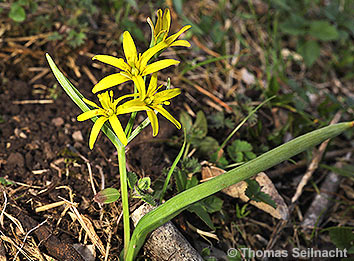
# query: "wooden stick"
[314,163]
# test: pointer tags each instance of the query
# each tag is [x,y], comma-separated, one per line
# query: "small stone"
[47,149]
[20,134]
[58,121]
[77,136]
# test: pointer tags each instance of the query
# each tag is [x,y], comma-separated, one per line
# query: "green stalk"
[177,204]
[124,194]
[128,129]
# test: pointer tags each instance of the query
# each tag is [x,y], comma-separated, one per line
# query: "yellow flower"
[107,112]
[150,101]
[135,65]
[162,28]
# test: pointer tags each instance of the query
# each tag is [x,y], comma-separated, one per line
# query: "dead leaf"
[238,191]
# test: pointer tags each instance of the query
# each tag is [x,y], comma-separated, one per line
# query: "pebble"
[58,121]
[77,136]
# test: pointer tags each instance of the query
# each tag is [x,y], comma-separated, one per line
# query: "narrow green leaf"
[177,204]
[174,164]
[76,97]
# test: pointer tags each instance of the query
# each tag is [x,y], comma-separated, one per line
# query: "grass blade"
[167,180]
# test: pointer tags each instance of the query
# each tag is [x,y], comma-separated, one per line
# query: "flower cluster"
[135,67]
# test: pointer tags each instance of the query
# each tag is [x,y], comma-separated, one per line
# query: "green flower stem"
[178,203]
[138,129]
[124,193]
[128,129]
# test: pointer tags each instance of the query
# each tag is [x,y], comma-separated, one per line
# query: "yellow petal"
[152,85]
[182,43]
[173,37]
[159,65]
[131,106]
[90,103]
[146,56]
[115,103]
[167,115]
[105,100]
[110,81]
[166,95]
[95,130]
[89,114]
[166,21]
[154,122]
[159,23]
[140,85]
[129,49]
[152,31]
[111,60]
[117,127]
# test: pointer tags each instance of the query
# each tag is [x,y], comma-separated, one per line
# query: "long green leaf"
[76,96]
[175,205]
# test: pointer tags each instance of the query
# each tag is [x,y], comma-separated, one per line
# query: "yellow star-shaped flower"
[162,28]
[135,64]
[150,101]
[107,112]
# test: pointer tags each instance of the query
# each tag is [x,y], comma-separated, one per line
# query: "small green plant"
[242,212]
[5,182]
[197,134]
[17,11]
[240,151]
[342,237]
[333,22]
[141,69]
[253,192]
[185,179]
